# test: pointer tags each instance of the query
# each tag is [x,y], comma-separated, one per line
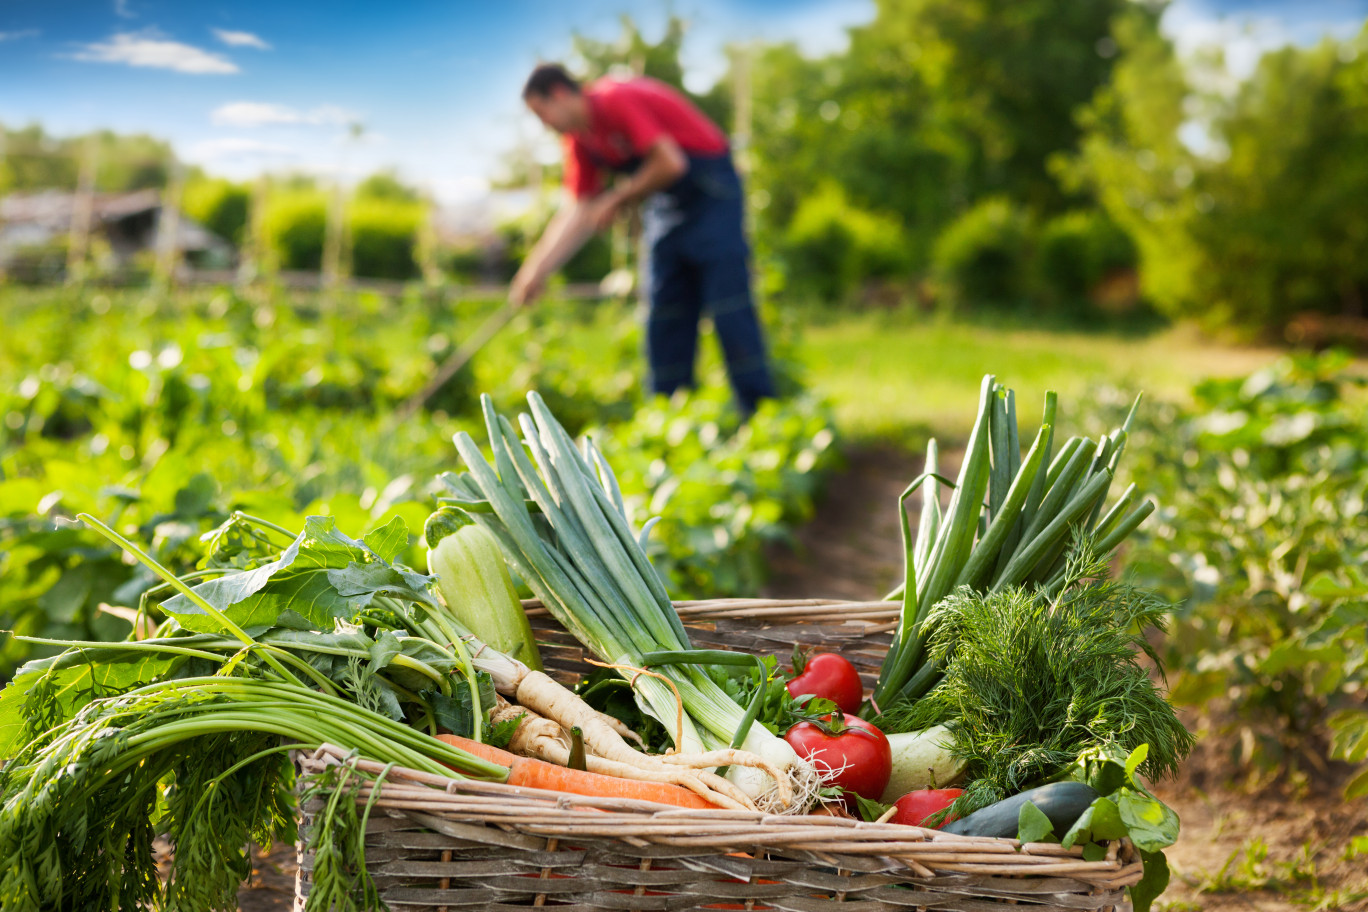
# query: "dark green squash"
[1062,802]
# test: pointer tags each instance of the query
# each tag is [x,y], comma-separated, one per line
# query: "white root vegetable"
[549,711]
[921,760]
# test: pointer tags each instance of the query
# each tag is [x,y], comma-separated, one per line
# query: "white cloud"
[122,11]
[17,36]
[265,113]
[327,114]
[1201,36]
[149,49]
[253,114]
[241,39]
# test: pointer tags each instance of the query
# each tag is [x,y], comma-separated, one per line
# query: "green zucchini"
[1061,802]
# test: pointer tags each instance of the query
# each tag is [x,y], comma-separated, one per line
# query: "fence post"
[82,213]
[168,228]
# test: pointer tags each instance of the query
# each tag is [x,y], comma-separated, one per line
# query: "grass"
[902,377]
[894,376]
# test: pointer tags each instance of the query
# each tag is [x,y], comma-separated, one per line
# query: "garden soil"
[1275,845]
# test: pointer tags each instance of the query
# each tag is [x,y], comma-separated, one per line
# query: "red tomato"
[856,758]
[830,677]
[914,807]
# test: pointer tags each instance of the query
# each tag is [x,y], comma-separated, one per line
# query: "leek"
[558,516]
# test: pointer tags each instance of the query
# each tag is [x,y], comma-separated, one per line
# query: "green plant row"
[164,415]
[1261,533]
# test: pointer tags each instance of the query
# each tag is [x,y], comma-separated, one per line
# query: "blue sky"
[241,86]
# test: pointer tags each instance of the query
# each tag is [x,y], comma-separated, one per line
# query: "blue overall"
[696,263]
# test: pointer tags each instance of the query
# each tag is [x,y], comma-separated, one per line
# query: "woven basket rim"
[702,609]
[552,814]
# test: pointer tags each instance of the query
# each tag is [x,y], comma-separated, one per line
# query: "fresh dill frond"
[1033,678]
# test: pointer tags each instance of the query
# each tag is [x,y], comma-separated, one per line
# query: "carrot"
[481,750]
[532,773]
[539,774]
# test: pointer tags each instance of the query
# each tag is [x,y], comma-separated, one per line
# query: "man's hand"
[527,287]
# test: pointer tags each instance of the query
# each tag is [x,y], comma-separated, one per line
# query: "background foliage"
[282,408]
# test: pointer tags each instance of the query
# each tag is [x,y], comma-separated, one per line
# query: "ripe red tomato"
[914,807]
[851,754]
[830,677]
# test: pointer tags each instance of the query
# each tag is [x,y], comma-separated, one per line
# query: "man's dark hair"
[545,78]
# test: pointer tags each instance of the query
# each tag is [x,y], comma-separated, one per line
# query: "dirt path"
[853,547]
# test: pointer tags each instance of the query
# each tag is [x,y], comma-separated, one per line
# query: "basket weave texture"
[433,843]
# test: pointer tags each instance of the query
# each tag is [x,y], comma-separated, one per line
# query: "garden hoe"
[458,359]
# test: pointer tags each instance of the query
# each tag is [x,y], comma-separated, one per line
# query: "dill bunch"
[1033,677]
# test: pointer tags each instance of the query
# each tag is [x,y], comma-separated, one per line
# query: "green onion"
[1037,509]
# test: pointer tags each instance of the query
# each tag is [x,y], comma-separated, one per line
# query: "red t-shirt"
[627,118]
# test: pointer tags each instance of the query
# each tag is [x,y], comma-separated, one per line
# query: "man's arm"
[577,221]
[664,164]
[569,229]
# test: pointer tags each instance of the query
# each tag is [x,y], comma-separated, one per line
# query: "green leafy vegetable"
[868,808]
[1027,531]
[1032,824]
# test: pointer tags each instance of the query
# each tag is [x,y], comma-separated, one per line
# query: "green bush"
[981,258]
[219,205]
[295,225]
[832,246]
[723,490]
[590,263]
[466,263]
[1074,253]
[384,236]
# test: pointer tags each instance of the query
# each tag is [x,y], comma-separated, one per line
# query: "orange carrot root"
[539,774]
[483,751]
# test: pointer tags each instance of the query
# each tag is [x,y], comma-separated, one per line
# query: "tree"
[1132,159]
[35,160]
[1260,227]
[385,185]
[632,53]
[958,100]
[1283,228]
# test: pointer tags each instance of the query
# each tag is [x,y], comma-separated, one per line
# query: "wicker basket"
[437,844]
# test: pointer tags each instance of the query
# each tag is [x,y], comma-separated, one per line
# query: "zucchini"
[1061,802]
[475,584]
